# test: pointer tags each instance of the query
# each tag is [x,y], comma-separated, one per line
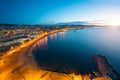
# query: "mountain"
[64,23]
[73,23]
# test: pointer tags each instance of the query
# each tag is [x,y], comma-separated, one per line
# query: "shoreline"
[30,54]
[19,64]
[19,57]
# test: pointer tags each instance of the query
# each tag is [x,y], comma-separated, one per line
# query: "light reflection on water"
[75,48]
[54,36]
[42,43]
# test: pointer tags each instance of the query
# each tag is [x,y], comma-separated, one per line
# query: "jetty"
[105,68]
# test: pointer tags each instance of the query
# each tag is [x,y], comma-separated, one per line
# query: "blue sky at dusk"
[53,11]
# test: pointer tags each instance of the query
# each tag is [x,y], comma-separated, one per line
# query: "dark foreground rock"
[105,68]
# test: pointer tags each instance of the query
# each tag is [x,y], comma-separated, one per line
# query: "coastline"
[19,58]
[29,53]
[20,64]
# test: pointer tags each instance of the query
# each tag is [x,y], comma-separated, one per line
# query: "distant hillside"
[72,23]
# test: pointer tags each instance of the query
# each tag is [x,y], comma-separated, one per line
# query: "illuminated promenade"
[19,64]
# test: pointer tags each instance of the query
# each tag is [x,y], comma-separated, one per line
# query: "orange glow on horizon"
[112,22]
[115,22]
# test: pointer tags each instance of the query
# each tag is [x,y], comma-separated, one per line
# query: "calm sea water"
[71,51]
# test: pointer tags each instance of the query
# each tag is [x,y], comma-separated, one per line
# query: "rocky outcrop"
[105,68]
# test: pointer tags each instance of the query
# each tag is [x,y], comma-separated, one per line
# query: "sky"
[54,11]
